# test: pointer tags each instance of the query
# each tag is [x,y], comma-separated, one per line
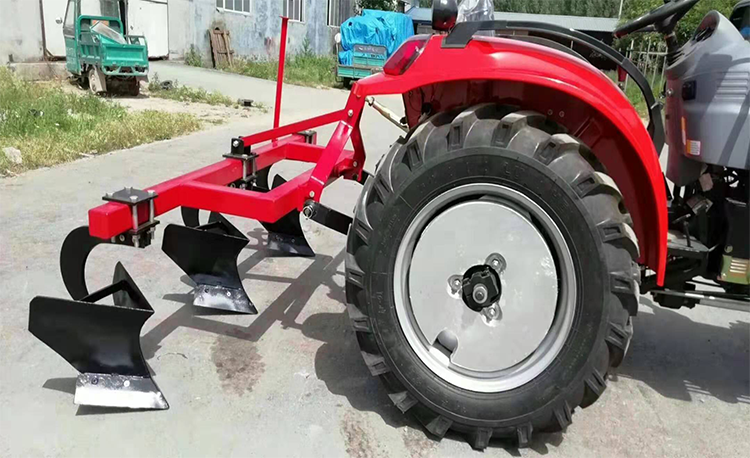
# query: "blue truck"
[367,41]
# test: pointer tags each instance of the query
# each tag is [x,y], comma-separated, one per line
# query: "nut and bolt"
[312,193]
[492,312]
[454,283]
[497,262]
[236,143]
[350,113]
[355,164]
[308,211]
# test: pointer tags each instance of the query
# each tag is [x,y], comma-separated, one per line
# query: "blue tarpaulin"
[374,27]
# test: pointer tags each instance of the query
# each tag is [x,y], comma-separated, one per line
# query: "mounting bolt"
[454,282]
[312,193]
[229,294]
[562,114]
[492,312]
[729,249]
[497,262]
[549,112]
[94,380]
[355,164]
[236,143]
[350,113]
[308,211]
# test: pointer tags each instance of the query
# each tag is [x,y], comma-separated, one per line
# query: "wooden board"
[221,47]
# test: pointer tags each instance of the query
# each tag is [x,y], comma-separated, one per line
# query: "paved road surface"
[290,381]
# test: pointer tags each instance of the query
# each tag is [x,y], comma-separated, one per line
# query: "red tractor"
[496,255]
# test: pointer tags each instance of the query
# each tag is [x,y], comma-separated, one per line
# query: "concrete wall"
[20,31]
[253,35]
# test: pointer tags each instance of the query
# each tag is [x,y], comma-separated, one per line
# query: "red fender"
[568,90]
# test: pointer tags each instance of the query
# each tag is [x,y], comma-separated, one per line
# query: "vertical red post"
[280,76]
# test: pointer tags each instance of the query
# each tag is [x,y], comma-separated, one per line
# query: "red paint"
[206,189]
[280,75]
[597,111]
[632,162]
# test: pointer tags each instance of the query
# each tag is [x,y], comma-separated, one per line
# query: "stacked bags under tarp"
[374,27]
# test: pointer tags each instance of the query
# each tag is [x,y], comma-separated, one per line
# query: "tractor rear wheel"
[491,274]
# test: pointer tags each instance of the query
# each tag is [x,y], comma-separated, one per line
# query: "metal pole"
[280,76]
[619,15]
[630,56]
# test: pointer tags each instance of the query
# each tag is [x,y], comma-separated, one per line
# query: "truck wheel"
[134,87]
[96,85]
[491,275]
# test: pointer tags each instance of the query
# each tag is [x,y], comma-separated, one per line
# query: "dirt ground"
[211,114]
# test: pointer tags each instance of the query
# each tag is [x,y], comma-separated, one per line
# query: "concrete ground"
[290,381]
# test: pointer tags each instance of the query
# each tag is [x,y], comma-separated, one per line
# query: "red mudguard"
[567,89]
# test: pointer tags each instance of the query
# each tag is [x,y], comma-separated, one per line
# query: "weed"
[50,126]
[193,57]
[305,68]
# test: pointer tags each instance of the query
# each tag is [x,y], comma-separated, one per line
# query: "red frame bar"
[280,75]
[206,188]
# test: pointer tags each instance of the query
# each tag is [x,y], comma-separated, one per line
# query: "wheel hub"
[509,293]
[480,286]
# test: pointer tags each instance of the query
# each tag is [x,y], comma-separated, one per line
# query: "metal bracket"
[328,217]
[311,136]
[140,235]
[244,153]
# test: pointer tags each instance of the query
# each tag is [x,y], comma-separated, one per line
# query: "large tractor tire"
[491,274]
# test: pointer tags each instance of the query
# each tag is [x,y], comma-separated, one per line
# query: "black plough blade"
[102,342]
[75,250]
[285,235]
[208,255]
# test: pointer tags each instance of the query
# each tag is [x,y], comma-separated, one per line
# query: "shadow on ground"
[673,354]
[677,356]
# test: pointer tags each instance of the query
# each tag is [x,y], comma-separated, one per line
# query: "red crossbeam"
[206,188]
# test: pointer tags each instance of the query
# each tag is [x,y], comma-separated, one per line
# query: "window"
[334,13]
[70,16]
[241,6]
[294,10]
[100,8]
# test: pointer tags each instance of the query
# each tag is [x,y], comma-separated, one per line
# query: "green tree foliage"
[383,5]
[595,8]
[635,8]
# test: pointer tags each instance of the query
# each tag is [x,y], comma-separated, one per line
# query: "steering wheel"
[657,17]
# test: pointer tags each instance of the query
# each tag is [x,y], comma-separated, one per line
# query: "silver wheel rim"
[511,342]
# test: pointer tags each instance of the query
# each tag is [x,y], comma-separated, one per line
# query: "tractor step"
[208,255]
[102,342]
